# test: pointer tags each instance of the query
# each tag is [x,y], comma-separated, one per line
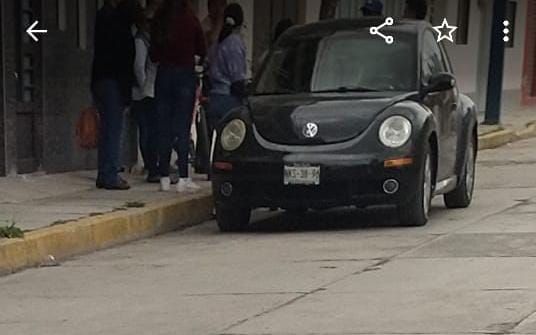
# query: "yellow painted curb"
[94,233]
[496,139]
[501,137]
[528,132]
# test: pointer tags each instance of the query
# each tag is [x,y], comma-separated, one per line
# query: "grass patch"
[134,204]
[11,231]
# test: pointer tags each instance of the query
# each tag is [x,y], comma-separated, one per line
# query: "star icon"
[445,35]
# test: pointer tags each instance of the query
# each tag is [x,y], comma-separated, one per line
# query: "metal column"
[496,65]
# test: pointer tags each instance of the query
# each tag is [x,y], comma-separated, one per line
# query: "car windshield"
[343,62]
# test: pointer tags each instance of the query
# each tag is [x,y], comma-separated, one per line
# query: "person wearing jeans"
[110,105]
[175,91]
[111,84]
[177,38]
[143,93]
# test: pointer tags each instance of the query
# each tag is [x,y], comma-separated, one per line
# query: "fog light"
[391,186]
[226,189]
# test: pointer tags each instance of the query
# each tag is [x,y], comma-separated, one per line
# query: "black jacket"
[114,49]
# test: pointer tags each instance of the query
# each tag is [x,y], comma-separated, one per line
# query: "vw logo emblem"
[310,130]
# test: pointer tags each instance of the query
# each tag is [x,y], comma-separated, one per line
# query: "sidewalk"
[515,125]
[34,202]
[65,215]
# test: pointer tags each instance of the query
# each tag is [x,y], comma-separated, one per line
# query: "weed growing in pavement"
[11,231]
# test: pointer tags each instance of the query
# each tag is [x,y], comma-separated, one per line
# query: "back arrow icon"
[31,31]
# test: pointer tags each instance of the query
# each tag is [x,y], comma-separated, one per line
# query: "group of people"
[146,58]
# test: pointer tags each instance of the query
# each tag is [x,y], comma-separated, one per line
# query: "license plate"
[301,175]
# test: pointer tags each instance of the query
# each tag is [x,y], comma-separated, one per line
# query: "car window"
[356,60]
[290,68]
[349,60]
[446,60]
[431,60]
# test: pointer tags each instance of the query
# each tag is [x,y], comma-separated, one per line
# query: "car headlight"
[395,131]
[233,135]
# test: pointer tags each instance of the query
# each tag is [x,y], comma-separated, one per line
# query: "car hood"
[338,118]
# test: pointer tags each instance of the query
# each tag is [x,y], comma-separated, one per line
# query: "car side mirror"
[439,83]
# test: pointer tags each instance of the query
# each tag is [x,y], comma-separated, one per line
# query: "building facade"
[44,85]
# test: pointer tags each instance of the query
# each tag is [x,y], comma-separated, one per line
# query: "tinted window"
[289,68]
[432,62]
[345,60]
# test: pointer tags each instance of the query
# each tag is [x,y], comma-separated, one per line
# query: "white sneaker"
[187,185]
[165,184]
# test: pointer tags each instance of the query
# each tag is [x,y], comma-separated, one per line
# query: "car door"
[455,117]
[442,104]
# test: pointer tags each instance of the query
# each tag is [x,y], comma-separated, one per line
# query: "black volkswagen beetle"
[338,117]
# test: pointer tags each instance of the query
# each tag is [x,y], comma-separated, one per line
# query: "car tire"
[414,213]
[232,219]
[462,196]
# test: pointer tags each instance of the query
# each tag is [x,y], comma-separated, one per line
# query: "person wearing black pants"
[143,93]
[111,85]
[177,39]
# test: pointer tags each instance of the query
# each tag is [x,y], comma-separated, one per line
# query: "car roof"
[329,27]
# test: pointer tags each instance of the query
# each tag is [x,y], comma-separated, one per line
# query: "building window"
[62,15]
[511,15]
[464,13]
[82,24]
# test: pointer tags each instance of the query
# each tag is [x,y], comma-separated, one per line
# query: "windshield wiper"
[346,89]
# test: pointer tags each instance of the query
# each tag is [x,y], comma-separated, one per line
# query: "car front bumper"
[344,180]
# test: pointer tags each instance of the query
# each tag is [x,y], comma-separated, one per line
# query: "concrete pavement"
[38,201]
[65,215]
[516,125]
[337,272]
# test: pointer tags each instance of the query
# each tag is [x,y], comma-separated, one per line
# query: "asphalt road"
[338,272]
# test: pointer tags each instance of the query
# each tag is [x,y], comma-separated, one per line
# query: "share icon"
[376,30]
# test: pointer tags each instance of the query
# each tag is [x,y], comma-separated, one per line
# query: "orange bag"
[88,128]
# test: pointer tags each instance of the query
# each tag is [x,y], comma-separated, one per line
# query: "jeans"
[220,105]
[144,112]
[111,108]
[175,98]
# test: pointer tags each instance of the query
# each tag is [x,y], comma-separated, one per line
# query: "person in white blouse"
[143,94]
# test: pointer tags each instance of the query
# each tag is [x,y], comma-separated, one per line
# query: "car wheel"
[462,196]
[414,213]
[232,219]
